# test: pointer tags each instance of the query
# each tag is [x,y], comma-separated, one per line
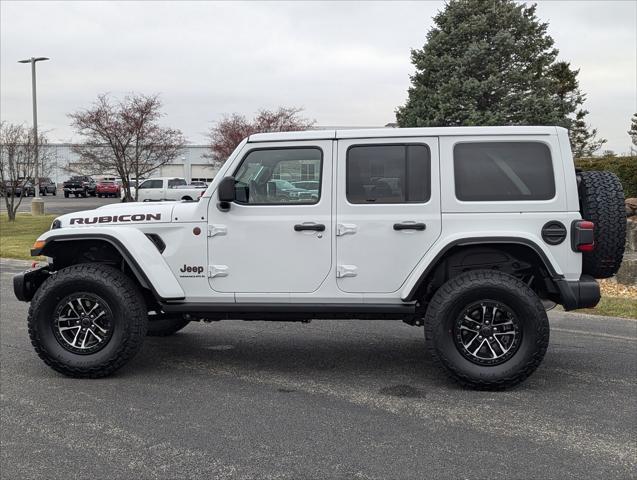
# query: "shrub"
[624,167]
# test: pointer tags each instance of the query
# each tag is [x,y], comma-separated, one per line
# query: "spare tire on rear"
[601,200]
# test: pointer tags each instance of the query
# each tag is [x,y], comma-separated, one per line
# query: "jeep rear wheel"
[87,320]
[163,326]
[602,202]
[486,329]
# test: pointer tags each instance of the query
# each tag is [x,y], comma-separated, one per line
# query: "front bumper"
[25,284]
[582,293]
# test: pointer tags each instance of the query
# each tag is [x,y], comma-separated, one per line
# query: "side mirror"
[226,193]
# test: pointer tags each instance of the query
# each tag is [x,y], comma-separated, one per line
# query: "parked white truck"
[167,188]
[472,232]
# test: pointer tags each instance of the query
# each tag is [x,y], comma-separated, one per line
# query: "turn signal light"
[38,244]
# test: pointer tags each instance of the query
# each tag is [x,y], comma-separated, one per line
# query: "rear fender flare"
[431,260]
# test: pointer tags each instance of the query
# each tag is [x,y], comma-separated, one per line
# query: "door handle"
[316,227]
[409,226]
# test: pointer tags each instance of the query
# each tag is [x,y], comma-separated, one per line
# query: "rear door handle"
[409,226]
[316,227]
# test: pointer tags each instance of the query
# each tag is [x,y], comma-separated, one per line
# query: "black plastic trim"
[582,293]
[119,246]
[157,241]
[554,232]
[25,284]
[481,241]
[307,310]
[410,226]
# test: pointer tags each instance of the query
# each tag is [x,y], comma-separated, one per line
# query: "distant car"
[288,191]
[8,188]
[24,188]
[47,186]
[167,188]
[198,184]
[311,186]
[79,185]
[108,188]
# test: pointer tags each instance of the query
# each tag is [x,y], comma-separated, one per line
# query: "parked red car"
[108,189]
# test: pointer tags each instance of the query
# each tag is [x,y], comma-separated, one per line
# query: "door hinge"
[345,228]
[343,271]
[217,271]
[217,230]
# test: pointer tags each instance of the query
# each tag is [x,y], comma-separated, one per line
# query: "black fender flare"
[481,241]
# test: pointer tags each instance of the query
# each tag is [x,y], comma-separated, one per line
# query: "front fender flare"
[146,262]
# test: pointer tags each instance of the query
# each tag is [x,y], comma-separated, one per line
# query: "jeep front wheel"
[87,320]
[486,329]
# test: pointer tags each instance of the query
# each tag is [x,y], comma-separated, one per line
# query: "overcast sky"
[345,63]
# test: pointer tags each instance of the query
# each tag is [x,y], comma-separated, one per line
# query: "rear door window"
[503,171]
[388,174]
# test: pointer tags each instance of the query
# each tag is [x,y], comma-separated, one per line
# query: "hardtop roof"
[400,132]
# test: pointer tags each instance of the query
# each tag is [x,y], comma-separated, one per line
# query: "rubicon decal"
[137,217]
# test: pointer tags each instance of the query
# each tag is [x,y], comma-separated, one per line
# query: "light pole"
[37,205]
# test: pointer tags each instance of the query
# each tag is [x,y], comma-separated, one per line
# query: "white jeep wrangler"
[472,232]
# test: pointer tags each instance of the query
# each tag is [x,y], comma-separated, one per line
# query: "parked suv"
[47,186]
[471,232]
[80,185]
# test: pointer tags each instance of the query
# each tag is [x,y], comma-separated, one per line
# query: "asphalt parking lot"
[59,205]
[330,399]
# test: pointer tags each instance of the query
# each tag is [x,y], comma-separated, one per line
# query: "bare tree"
[226,134]
[17,163]
[124,137]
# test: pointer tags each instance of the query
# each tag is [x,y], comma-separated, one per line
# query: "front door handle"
[316,227]
[409,226]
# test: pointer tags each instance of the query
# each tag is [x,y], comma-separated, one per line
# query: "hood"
[119,214]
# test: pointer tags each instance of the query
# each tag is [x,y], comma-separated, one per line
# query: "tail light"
[582,236]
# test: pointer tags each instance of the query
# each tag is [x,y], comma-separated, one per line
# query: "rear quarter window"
[503,171]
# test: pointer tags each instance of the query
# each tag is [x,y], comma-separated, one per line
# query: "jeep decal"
[137,217]
[191,271]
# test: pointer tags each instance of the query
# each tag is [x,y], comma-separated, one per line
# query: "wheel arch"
[132,247]
[525,250]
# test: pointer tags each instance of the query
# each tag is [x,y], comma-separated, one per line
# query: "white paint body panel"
[261,250]
[140,248]
[380,258]
[265,260]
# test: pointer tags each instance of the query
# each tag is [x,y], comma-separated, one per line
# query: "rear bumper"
[582,293]
[25,284]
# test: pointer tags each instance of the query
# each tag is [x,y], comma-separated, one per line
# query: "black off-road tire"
[164,326]
[450,301]
[118,292]
[602,202]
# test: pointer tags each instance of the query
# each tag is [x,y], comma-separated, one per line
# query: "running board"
[296,310]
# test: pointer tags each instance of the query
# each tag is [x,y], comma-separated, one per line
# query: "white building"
[191,164]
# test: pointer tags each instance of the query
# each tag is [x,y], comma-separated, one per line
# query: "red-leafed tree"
[226,134]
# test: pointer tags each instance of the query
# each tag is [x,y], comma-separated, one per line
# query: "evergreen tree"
[633,133]
[584,141]
[491,62]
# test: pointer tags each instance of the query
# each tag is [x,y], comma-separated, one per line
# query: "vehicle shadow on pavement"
[394,365]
